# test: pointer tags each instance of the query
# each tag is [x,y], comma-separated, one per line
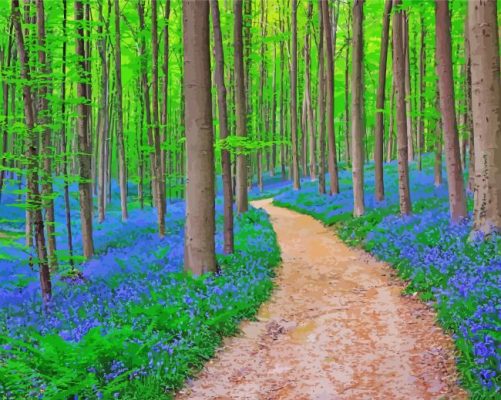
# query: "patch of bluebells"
[459,272]
[133,322]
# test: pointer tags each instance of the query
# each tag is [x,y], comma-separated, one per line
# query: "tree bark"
[399,74]
[457,196]
[122,176]
[165,93]
[159,176]
[296,185]
[357,121]
[84,145]
[223,129]
[379,132]
[321,103]
[240,110]
[199,252]
[331,137]
[486,111]
[408,101]
[34,198]
[422,80]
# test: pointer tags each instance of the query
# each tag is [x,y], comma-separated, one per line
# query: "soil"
[336,327]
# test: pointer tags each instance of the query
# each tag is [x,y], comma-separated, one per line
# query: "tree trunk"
[84,145]
[457,196]
[321,103]
[122,177]
[223,129]
[309,99]
[486,111]
[43,120]
[399,74]
[199,252]
[391,129]
[34,198]
[408,101]
[331,139]
[357,122]
[165,94]
[240,110]
[294,136]
[422,76]
[379,133]
[159,176]
[347,92]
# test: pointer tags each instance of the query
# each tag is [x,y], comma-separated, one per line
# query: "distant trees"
[199,245]
[486,107]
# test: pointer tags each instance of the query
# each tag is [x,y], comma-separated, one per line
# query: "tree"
[84,145]
[223,128]
[331,137]
[34,200]
[122,176]
[295,162]
[357,118]
[486,111]
[457,196]
[399,74]
[321,102]
[43,120]
[199,246]
[379,132]
[309,97]
[159,176]
[240,109]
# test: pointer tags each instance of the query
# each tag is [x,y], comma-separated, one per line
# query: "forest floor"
[337,327]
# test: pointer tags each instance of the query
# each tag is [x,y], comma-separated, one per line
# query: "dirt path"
[335,328]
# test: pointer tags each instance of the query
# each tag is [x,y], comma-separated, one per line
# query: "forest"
[250,199]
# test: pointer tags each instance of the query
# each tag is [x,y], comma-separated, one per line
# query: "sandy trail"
[335,328]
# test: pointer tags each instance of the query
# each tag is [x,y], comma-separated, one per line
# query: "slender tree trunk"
[309,99]
[486,111]
[122,176]
[408,100]
[457,196]
[331,137]
[273,115]
[357,121]
[347,91]
[43,119]
[34,198]
[399,74]
[63,138]
[241,174]
[389,148]
[159,176]
[223,129]
[199,252]
[165,93]
[321,102]
[422,80]
[294,136]
[438,148]
[379,133]
[84,146]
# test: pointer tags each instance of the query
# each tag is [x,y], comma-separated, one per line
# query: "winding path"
[336,327]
